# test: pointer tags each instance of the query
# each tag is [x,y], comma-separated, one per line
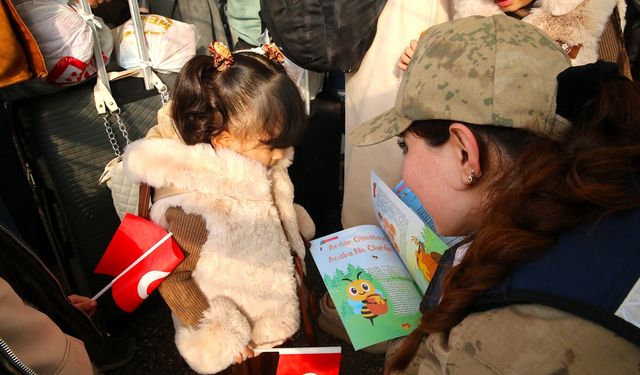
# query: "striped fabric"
[610,43]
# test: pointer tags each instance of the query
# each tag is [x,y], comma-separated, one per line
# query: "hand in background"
[84,304]
[407,54]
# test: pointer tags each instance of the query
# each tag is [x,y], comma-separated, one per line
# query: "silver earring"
[472,177]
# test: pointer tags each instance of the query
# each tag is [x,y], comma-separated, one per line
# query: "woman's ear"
[467,152]
[221,140]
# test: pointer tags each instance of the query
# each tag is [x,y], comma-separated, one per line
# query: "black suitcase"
[64,147]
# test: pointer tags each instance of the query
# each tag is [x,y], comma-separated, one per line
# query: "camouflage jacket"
[524,339]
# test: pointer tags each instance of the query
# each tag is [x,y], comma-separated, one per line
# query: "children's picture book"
[377,275]
[410,199]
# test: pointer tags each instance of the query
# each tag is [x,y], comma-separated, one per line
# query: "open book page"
[374,295]
[418,246]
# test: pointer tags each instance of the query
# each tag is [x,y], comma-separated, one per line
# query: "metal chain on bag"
[164,95]
[122,126]
[112,137]
[112,109]
[125,193]
[104,101]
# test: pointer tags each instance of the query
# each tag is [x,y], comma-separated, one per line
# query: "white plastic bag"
[65,39]
[171,43]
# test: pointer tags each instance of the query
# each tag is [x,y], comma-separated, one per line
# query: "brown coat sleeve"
[179,290]
[36,340]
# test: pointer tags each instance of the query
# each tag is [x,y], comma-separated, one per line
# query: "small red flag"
[140,255]
[319,361]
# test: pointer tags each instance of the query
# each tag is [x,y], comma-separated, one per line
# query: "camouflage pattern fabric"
[480,70]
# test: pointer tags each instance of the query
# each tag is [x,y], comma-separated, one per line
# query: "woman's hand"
[84,304]
[407,54]
[246,353]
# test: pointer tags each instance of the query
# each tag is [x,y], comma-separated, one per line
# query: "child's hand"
[84,304]
[246,353]
[407,54]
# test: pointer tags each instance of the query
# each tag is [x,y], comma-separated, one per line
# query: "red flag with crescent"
[140,255]
[318,361]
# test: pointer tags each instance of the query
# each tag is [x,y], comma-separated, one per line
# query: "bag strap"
[144,200]
[104,102]
[623,57]
[86,13]
[307,301]
[143,51]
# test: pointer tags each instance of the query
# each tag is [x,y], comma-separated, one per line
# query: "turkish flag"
[318,361]
[132,241]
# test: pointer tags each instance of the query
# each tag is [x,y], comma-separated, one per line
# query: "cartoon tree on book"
[334,281]
[431,240]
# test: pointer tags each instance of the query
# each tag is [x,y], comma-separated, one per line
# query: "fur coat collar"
[570,22]
[200,168]
[167,163]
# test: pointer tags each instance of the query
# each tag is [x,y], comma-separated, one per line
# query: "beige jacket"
[36,340]
[524,339]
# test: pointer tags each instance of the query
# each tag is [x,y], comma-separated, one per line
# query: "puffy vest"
[592,272]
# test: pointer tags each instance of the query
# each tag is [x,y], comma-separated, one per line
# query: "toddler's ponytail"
[195,102]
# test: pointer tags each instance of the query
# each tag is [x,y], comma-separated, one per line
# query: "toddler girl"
[218,161]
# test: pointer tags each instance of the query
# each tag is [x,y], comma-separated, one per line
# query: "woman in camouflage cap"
[537,165]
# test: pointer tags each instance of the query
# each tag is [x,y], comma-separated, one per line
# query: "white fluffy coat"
[245,268]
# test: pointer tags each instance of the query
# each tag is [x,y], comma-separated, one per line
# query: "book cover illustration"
[374,295]
[418,246]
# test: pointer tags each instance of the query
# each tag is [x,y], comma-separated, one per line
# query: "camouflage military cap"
[480,70]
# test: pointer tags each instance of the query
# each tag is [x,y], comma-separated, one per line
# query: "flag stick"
[305,350]
[140,259]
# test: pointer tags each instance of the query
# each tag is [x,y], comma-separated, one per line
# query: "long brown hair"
[549,187]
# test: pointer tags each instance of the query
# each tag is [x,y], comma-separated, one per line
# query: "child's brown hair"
[254,96]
